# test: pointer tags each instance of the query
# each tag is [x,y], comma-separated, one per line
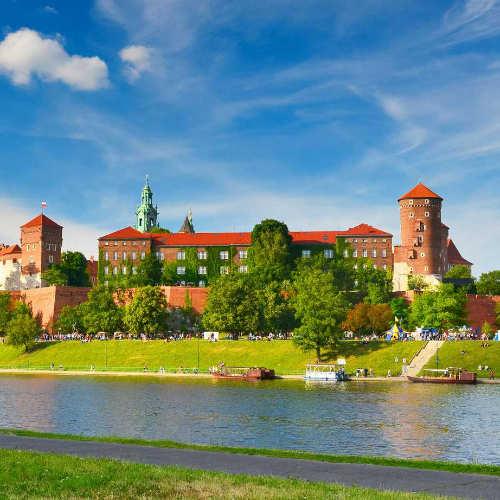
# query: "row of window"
[124,255]
[328,253]
[125,243]
[411,214]
[181,270]
[375,240]
[48,246]
[181,255]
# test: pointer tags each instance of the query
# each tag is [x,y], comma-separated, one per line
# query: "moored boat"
[325,373]
[446,376]
[242,373]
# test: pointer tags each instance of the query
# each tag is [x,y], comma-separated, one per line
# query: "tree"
[159,230]
[169,273]
[400,309]
[374,285]
[100,313]
[232,305]
[269,255]
[5,312]
[417,282]
[320,310]
[380,317]
[147,312]
[277,313]
[149,272]
[489,283]
[22,330]
[460,271]
[441,309]
[71,271]
[70,320]
[487,329]
[366,318]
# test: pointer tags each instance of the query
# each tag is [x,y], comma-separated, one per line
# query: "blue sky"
[318,113]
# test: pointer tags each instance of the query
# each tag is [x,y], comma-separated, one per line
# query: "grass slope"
[468,354]
[283,356]
[386,461]
[28,475]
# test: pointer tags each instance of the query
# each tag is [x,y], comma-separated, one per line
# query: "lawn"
[468,354]
[130,355]
[27,475]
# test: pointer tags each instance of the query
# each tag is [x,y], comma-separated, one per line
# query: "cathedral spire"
[146,213]
[187,225]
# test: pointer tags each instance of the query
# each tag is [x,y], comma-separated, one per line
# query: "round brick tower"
[422,231]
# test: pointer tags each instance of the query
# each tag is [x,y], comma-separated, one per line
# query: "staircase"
[423,357]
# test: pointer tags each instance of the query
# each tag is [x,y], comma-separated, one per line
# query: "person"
[388,373]
[492,374]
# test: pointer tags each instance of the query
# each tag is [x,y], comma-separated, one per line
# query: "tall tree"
[489,283]
[70,320]
[320,309]
[269,255]
[22,329]
[100,313]
[5,312]
[71,271]
[459,272]
[233,305]
[277,313]
[400,310]
[54,275]
[147,312]
[366,318]
[149,271]
[441,309]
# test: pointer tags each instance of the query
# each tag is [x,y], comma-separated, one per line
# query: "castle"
[21,266]
[197,258]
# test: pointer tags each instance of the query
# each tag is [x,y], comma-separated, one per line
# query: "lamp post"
[198,346]
[105,353]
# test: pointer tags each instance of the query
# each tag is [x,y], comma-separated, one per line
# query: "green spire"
[146,213]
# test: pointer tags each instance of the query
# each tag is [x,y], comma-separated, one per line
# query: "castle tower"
[146,214]
[41,242]
[423,236]
[187,225]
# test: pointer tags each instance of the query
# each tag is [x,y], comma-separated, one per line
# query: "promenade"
[471,486]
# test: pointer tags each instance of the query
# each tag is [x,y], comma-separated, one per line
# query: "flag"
[44,204]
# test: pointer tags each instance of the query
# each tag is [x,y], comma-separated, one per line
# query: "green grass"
[473,355]
[130,355]
[386,461]
[42,475]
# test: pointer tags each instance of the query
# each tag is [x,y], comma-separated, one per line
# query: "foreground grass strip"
[352,459]
[39,475]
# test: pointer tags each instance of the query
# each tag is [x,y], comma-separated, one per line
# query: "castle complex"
[197,258]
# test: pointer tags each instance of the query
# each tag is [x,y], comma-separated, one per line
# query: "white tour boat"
[326,373]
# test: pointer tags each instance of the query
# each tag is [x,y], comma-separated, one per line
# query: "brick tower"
[423,238]
[41,241]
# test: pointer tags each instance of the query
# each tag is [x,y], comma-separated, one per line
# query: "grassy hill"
[468,354]
[131,355]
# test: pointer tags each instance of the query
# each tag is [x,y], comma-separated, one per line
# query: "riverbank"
[190,355]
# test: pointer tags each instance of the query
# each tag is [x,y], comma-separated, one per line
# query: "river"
[362,418]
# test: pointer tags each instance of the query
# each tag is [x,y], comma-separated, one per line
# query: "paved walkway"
[423,357]
[475,486]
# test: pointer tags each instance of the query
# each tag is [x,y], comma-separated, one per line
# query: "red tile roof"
[420,191]
[41,220]
[12,249]
[454,256]
[363,230]
[127,233]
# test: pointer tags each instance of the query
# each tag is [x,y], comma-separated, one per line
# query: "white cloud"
[50,10]
[25,54]
[137,59]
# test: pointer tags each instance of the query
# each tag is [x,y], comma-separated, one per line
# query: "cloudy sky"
[316,112]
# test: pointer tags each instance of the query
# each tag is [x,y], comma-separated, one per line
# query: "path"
[473,486]
[423,357]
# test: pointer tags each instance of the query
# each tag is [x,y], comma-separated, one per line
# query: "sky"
[320,113]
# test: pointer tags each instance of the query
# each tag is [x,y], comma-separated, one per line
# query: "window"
[134,255]
[224,255]
[243,254]
[181,255]
[201,283]
[115,270]
[422,254]
[355,241]
[374,252]
[328,253]
[124,256]
[202,270]
[181,270]
[365,252]
[427,214]
[346,253]
[365,241]
[162,256]
[384,240]
[124,270]
[115,243]
[224,269]
[426,268]
[115,255]
[124,243]
[202,255]
[34,246]
[354,253]
[28,247]
[143,255]
[411,215]
[106,256]
[134,243]
[106,270]
[143,243]
[384,266]
[51,259]
[32,261]
[427,202]
[54,247]
[410,202]
[306,253]
[243,269]
[384,252]
[420,238]
[106,243]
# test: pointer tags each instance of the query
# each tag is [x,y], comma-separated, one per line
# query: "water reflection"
[406,420]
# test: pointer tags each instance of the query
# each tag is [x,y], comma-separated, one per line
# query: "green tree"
[269,255]
[22,330]
[147,312]
[169,273]
[366,318]
[54,275]
[232,305]
[159,230]
[100,313]
[374,285]
[441,309]
[149,271]
[489,283]
[277,314]
[487,329]
[400,310]
[417,282]
[71,271]
[5,312]
[459,272]
[70,320]
[320,310]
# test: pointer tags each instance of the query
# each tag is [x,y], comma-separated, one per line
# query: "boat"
[447,376]
[325,373]
[242,373]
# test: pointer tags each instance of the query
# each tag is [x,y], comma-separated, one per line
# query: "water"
[370,418]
